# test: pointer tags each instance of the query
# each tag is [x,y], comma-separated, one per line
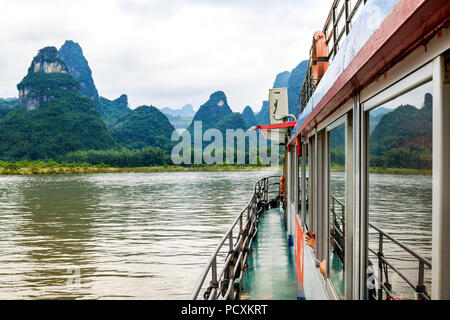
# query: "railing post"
[332,206]
[343,220]
[420,286]
[214,272]
[380,266]
[265,189]
[231,240]
[241,262]
[241,226]
[230,265]
[229,277]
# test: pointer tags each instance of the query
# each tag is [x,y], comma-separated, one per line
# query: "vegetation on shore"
[399,170]
[52,167]
[26,167]
[336,167]
[385,170]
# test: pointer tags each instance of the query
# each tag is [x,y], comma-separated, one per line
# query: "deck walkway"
[271,270]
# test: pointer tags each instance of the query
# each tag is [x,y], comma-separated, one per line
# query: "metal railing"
[308,87]
[383,264]
[339,23]
[227,283]
[337,222]
[336,28]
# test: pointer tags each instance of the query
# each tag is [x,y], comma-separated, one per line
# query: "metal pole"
[380,266]
[214,271]
[231,240]
[303,184]
[441,180]
[420,286]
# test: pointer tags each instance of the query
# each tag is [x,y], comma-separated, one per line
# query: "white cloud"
[165,53]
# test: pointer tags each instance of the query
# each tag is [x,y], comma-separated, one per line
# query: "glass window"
[400,191]
[301,192]
[310,184]
[336,208]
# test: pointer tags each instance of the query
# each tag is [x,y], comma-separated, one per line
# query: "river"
[147,235]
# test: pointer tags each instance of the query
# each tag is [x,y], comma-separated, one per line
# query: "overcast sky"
[168,52]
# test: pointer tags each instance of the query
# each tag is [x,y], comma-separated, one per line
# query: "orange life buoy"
[282,188]
[319,56]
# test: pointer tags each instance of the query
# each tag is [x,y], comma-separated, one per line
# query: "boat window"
[400,195]
[307,202]
[311,184]
[292,182]
[301,192]
[336,208]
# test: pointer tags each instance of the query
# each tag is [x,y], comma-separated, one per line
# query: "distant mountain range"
[41,124]
[59,110]
[187,110]
[180,118]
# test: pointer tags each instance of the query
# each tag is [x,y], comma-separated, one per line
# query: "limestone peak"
[47,61]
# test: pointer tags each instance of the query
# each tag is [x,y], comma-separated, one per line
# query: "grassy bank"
[335,167]
[86,168]
[52,167]
[399,171]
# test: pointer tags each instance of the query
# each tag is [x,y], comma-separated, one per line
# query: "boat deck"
[271,270]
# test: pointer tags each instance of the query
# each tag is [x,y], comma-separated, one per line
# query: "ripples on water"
[130,235]
[148,235]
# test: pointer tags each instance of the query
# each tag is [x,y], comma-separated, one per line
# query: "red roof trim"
[407,24]
[277,125]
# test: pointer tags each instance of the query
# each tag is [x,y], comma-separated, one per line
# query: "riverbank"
[400,171]
[104,169]
[31,168]
[382,170]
